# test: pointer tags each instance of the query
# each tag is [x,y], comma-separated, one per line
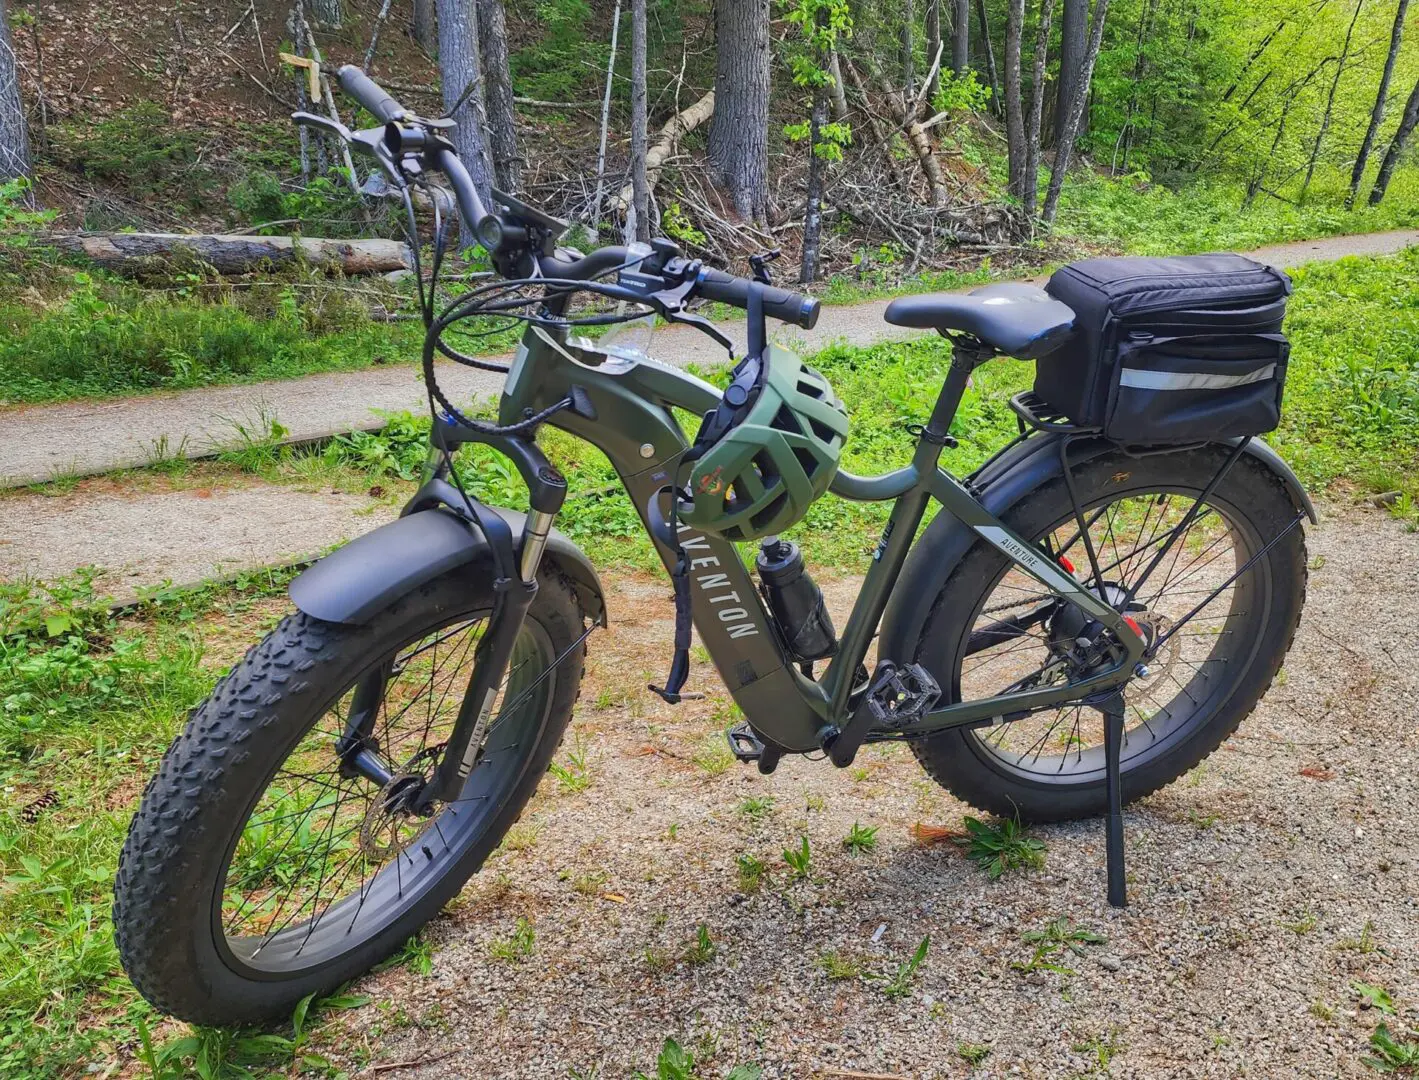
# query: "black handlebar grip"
[367,92]
[789,307]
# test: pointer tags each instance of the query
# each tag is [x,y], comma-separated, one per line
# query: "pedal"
[744,743]
[896,697]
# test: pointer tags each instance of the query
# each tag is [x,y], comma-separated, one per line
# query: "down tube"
[780,703]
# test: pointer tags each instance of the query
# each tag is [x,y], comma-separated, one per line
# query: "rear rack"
[1033,411]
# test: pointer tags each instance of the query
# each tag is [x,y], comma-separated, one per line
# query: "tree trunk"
[739,132]
[813,213]
[1030,182]
[933,46]
[1073,32]
[502,118]
[1330,103]
[132,253]
[997,97]
[961,37]
[1377,115]
[664,146]
[422,26]
[1407,123]
[839,92]
[1014,113]
[1075,116]
[461,79]
[326,12]
[908,49]
[14,136]
[606,118]
[639,225]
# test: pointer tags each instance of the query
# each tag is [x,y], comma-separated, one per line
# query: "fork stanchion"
[1113,743]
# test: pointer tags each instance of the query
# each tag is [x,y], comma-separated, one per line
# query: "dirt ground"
[1263,886]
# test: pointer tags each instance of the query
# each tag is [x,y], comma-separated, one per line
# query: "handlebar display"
[369,94]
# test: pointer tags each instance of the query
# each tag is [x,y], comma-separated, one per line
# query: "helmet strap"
[680,580]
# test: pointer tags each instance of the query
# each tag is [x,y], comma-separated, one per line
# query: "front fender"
[371,572]
[999,486]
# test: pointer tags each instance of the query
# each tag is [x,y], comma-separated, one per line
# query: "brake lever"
[324,123]
[671,303]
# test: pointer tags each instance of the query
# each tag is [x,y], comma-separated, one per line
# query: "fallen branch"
[127,253]
[675,128]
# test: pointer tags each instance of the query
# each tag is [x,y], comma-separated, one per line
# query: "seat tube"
[965,358]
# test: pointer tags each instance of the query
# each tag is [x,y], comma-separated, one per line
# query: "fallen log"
[127,253]
[679,125]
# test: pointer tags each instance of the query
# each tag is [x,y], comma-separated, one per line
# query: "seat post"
[967,354]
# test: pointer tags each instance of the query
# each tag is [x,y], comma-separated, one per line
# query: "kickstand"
[1113,740]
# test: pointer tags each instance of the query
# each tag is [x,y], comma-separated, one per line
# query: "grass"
[1057,936]
[860,839]
[1002,846]
[516,946]
[799,859]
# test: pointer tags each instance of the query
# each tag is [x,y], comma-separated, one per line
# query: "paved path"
[83,438]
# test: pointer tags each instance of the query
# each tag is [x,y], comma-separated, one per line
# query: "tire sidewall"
[959,760]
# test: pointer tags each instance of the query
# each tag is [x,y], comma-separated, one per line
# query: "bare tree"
[422,26]
[638,227]
[1065,150]
[1330,102]
[997,96]
[461,79]
[933,43]
[326,12]
[1030,182]
[502,118]
[908,49]
[1014,113]
[14,137]
[1377,114]
[1073,32]
[1407,123]
[739,132]
[961,37]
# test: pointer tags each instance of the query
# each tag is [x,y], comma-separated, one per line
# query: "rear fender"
[369,573]
[999,486]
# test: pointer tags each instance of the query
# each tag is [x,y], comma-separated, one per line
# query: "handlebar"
[369,94]
[789,307]
[404,133]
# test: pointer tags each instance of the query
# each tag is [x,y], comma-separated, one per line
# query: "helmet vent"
[786,421]
[822,431]
[812,390]
[807,460]
[767,515]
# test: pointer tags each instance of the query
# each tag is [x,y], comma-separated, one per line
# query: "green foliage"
[960,94]
[700,951]
[111,337]
[518,945]
[139,149]
[675,224]
[899,983]
[676,1063]
[1057,935]
[1373,997]
[861,838]
[17,217]
[1392,1054]
[799,859]
[1001,847]
[751,872]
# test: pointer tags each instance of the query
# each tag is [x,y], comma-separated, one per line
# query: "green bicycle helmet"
[763,459]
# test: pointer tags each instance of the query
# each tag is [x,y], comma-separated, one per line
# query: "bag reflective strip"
[1140,379]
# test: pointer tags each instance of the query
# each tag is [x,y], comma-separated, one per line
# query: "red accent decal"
[1068,566]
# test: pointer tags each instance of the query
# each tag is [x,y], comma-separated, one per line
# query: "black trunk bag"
[1169,350]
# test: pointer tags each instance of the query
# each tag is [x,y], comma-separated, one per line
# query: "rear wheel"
[261,867]
[994,630]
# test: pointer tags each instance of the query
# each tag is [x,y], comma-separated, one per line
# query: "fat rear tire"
[960,761]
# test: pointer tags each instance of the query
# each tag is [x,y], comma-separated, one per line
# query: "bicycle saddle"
[1019,320]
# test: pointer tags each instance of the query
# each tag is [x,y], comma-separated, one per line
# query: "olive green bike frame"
[634,426]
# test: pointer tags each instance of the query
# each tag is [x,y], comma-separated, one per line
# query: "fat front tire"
[1206,680]
[203,928]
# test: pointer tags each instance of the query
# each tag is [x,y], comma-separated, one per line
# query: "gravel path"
[1263,885]
[186,536]
[81,438]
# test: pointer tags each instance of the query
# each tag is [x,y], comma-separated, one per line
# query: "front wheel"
[995,630]
[263,866]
